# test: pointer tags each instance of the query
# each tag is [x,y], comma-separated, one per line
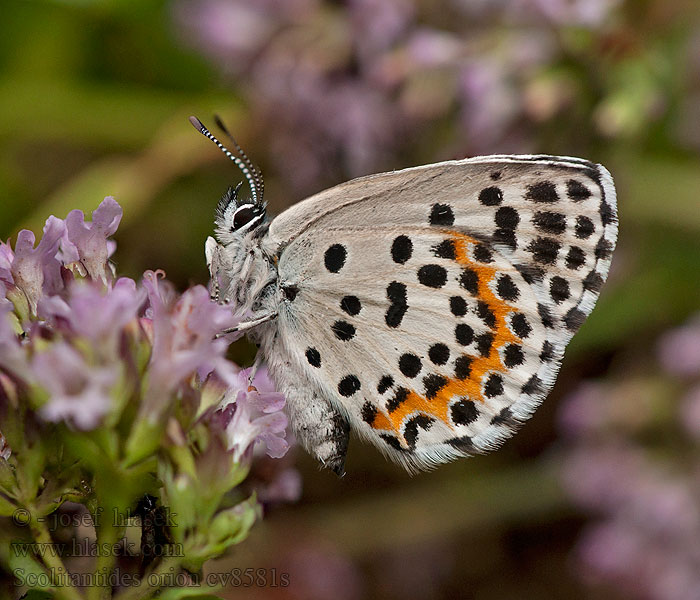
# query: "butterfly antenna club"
[250,173]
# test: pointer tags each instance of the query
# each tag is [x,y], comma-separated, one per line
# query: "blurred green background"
[94,100]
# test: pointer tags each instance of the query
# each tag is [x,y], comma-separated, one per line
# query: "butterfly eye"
[242,217]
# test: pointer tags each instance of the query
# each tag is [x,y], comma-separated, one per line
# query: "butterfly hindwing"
[432,306]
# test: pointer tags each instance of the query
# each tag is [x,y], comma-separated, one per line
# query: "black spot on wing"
[434,276]
[313,357]
[397,399]
[343,330]
[544,192]
[463,412]
[544,250]
[469,280]
[445,249]
[559,289]
[577,191]
[441,215]
[458,306]
[550,222]
[439,354]
[348,385]
[351,305]
[491,196]
[385,383]
[334,257]
[401,249]
[396,294]
[369,413]
[433,384]
[410,365]
[410,432]
[463,367]
[507,289]
[575,258]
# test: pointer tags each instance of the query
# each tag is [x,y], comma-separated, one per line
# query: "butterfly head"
[236,217]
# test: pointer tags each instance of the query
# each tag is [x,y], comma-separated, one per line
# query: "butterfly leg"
[245,325]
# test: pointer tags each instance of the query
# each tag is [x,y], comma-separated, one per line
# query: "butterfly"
[425,309]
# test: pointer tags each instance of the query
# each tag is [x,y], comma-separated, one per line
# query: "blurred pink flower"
[679,349]
[583,13]
[690,412]
[79,393]
[320,571]
[285,486]
[95,313]
[585,410]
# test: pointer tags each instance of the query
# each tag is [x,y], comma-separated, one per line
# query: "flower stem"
[57,570]
[107,537]
[151,581]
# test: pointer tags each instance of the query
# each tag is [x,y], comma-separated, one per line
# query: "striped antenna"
[249,174]
[257,175]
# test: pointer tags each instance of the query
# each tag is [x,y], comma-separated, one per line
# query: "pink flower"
[37,271]
[79,393]
[255,415]
[184,335]
[95,313]
[679,350]
[90,239]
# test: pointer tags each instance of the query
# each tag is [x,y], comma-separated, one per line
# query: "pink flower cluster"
[81,345]
[344,88]
[631,460]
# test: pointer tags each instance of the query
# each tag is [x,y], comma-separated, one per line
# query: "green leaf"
[6,507]
[26,569]
[37,595]
[144,440]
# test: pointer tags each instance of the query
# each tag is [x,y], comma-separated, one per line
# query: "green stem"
[57,570]
[150,581]
[107,536]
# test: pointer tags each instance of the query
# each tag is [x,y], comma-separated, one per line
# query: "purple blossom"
[37,271]
[679,350]
[285,486]
[585,411]
[646,540]
[95,313]
[7,256]
[12,355]
[690,412]
[583,13]
[256,415]
[79,393]
[90,239]
[379,24]
[184,333]
[488,102]
[320,571]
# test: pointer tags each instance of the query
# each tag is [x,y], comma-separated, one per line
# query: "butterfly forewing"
[432,305]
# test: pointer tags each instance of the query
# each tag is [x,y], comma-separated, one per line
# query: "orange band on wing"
[471,387]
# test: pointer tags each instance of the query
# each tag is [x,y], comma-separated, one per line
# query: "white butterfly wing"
[432,306]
